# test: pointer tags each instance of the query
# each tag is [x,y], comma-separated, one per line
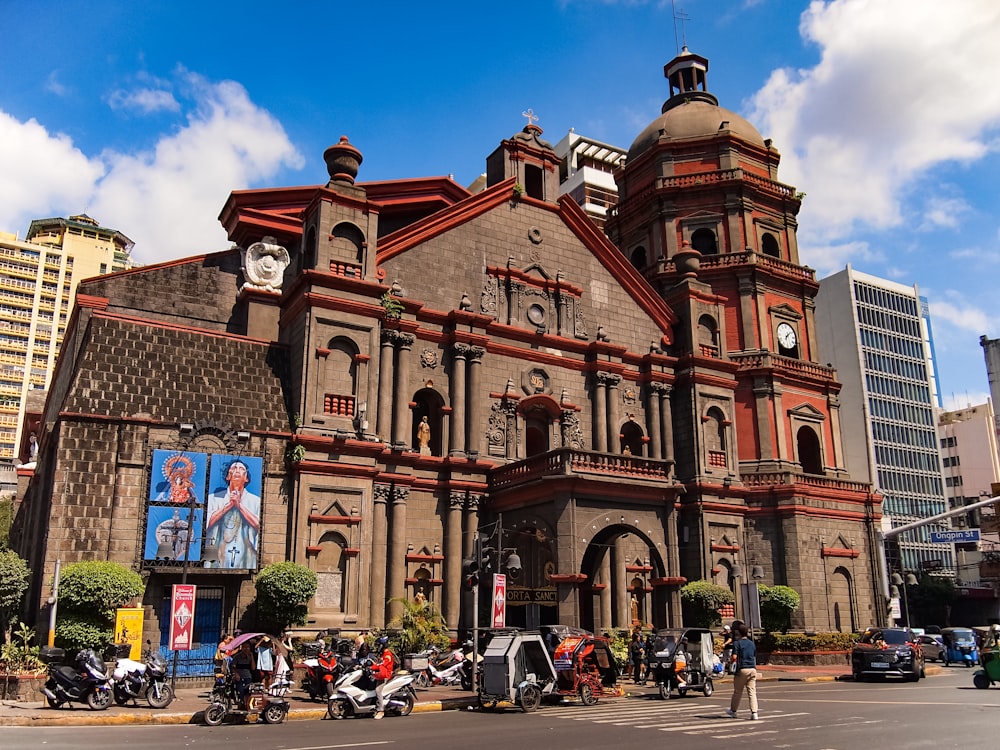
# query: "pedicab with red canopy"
[585,668]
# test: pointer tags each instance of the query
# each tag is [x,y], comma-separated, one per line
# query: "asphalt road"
[938,712]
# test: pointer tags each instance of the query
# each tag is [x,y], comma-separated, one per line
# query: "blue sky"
[145,115]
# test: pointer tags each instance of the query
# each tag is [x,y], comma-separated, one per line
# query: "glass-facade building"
[877,334]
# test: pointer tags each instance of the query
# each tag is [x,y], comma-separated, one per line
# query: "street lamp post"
[897,582]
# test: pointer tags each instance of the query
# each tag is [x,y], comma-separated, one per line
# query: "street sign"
[955,537]
[182,616]
[499,618]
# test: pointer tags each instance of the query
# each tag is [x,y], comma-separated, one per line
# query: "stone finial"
[342,161]
[602,335]
[466,303]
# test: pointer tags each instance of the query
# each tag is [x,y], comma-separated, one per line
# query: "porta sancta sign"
[522,596]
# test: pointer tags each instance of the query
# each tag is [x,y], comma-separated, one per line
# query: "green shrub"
[94,590]
[777,603]
[701,601]
[14,579]
[767,642]
[283,593]
[76,632]
[419,626]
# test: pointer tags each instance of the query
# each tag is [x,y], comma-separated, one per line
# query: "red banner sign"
[499,600]
[182,616]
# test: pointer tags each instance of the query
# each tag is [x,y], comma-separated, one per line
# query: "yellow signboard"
[128,629]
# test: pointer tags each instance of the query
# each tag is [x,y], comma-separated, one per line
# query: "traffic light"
[470,573]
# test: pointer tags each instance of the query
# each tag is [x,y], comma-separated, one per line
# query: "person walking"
[745,678]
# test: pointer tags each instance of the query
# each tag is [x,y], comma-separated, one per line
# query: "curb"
[162,719]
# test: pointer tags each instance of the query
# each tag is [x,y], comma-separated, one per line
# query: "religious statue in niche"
[424,437]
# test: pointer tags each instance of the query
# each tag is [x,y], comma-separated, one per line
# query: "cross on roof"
[532,117]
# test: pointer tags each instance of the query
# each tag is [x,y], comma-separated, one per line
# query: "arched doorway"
[621,562]
[842,617]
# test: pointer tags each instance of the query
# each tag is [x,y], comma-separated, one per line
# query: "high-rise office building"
[876,333]
[38,278]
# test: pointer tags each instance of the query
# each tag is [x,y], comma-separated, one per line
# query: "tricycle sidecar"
[585,668]
[516,668]
[683,674]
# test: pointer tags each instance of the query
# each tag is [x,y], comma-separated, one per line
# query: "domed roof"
[693,116]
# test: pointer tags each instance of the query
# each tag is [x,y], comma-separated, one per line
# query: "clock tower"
[703,217]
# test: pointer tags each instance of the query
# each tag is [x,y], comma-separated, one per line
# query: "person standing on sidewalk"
[745,658]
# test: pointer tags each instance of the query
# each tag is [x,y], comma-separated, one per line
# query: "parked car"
[932,647]
[887,651]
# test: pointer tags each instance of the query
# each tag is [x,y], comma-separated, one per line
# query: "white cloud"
[961,315]
[827,259]
[900,87]
[43,174]
[144,100]
[166,199]
[53,86]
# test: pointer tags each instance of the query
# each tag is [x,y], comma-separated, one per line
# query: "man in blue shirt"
[745,678]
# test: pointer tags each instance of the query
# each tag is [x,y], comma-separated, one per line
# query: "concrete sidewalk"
[189,702]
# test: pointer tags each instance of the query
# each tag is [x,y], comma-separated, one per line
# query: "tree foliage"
[14,579]
[930,601]
[283,593]
[420,625]
[94,590]
[777,603]
[701,601]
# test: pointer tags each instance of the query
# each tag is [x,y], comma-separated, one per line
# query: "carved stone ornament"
[428,358]
[264,264]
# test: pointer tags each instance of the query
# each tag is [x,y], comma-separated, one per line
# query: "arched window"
[769,245]
[809,452]
[331,569]
[715,438]
[631,438]
[347,250]
[708,336]
[703,240]
[427,404]
[309,250]
[842,602]
[340,374]
[638,257]
[536,433]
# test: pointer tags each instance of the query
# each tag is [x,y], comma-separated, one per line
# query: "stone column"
[654,423]
[457,434]
[619,585]
[600,412]
[614,413]
[377,594]
[473,437]
[397,550]
[401,411]
[607,621]
[453,555]
[667,420]
[383,421]
[471,523]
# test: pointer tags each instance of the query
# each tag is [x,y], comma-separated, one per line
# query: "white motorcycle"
[355,695]
[447,671]
[132,680]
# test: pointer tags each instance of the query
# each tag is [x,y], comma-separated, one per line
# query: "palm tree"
[419,625]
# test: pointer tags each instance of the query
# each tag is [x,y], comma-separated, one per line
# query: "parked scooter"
[88,683]
[355,695]
[446,671]
[147,679]
[322,672]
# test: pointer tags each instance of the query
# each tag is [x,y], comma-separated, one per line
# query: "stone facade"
[617,412]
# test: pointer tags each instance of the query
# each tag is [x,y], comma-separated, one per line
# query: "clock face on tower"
[786,336]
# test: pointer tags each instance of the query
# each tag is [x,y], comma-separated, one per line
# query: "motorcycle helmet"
[382,643]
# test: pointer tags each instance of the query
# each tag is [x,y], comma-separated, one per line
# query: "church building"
[379,372]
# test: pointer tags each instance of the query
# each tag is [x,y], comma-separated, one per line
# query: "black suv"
[887,651]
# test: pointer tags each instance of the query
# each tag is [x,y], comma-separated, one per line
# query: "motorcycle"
[355,695]
[322,672]
[447,671]
[147,679]
[88,683]
[248,702]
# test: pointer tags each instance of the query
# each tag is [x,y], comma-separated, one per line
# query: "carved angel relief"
[264,265]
